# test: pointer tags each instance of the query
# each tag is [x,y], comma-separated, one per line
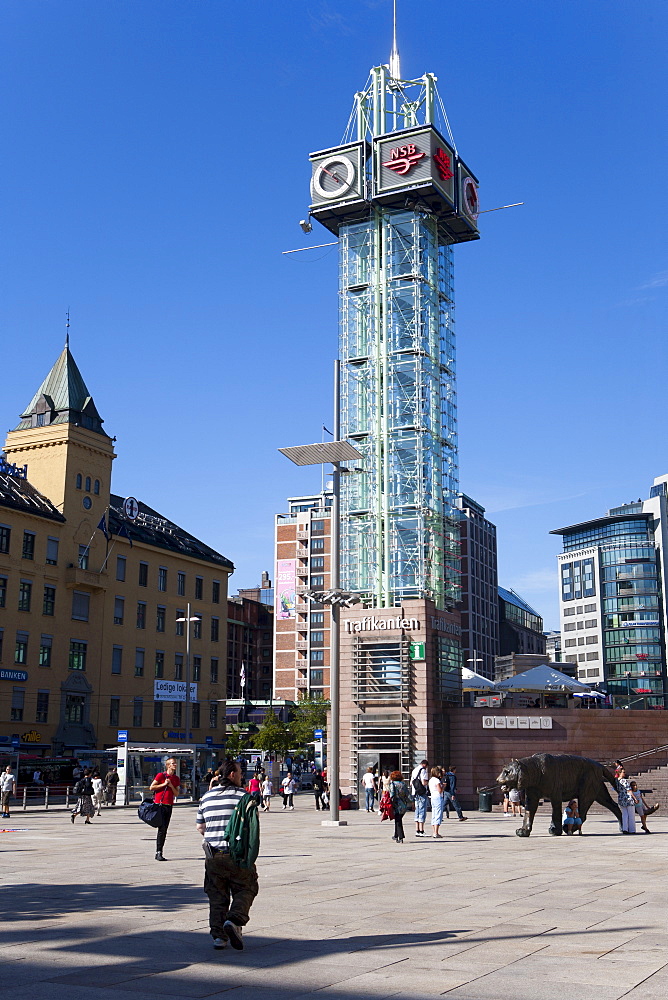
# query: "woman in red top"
[255,788]
[166,788]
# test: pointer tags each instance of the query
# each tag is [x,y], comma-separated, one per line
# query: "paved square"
[481,915]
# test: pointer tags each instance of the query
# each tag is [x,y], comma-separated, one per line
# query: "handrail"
[643,753]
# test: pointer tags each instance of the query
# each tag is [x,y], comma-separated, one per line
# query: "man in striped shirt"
[230,888]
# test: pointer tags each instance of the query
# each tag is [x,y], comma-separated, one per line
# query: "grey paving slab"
[343,914]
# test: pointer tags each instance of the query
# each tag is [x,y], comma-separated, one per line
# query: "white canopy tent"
[471,681]
[543,679]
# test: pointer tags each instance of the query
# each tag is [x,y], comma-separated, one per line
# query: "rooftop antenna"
[395,70]
[67,329]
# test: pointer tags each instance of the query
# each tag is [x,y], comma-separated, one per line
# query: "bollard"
[46,797]
[25,797]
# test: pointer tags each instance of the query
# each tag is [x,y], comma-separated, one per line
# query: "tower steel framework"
[399,535]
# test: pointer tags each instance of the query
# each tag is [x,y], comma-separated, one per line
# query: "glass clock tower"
[398,196]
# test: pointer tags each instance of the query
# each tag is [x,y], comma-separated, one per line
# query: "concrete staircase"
[653,783]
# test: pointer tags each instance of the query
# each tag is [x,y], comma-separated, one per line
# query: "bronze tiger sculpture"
[559,777]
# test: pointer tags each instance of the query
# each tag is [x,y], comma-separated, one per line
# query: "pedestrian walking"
[288,786]
[229,882]
[420,792]
[111,780]
[98,792]
[318,790]
[626,801]
[84,793]
[165,787]
[436,795]
[254,788]
[369,785]
[450,800]
[267,792]
[400,797]
[7,789]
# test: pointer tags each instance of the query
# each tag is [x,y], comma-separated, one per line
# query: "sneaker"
[73,817]
[220,943]
[462,819]
[292,808]
[234,935]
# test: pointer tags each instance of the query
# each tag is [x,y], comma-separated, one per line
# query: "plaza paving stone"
[481,915]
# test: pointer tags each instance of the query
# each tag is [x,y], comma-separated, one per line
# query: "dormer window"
[79,480]
[39,419]
[87,484]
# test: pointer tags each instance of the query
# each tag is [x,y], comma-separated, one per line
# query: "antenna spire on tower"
[67,329]
[395,69]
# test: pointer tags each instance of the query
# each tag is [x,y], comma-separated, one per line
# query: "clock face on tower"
[337,175]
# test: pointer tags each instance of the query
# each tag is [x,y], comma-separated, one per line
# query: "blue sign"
[209,741]
[123,736]
[16,741]
[317,734]
[13,675]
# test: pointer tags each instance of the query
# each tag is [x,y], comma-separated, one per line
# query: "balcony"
[85,579]
[302,590]
[302,535]
[302,571]
[301,682]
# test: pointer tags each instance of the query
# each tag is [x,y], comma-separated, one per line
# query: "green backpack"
[242,832]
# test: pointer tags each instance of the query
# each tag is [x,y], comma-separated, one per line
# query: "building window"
[591,623]
[116,659]
[178,666]
[52,551]
[318,562]
[316,677]
[195,715]
[25,595]
[139,662]
[157,713]
[591,639]
[570,642]
[317,581]
[3,591]
[96,487]
[317,618]
[317,638]
[21,651]
[589,608]
[213,715]
[74,708]
[141,614]
[215,629]
[160,617]
[215,592]
[199,588]
[42,709]
[119,610]
[592,656]
[79,481]
[121,565]
[197,628]
[162,578]
[78,653]
[143,574]
[180,626]
[181,584]
[569,627]
[49,601]
[83,557]
[5,536]
[137,712]
[178,714]
[568,611]
[317,545]
[28,551]
[80,606]
[197,668]
[317,656]
[18,702]
[87,484]
[45,645]
[317,527]
[159,663]
[214,669]
[114,711]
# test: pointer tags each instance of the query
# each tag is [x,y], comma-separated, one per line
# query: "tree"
[273,736]
[236,739]
[308,715]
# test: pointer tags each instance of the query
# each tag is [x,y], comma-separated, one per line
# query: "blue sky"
[156,165]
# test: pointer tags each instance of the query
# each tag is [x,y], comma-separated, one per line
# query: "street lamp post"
[335,451]
[188,619]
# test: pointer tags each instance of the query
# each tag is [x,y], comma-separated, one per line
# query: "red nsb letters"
[443,164]
[403,158]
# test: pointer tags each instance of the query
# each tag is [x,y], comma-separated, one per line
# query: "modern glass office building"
[612,594]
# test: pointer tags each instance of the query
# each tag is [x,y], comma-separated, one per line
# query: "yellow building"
[90,592]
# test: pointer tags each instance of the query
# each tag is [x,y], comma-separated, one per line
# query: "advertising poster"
[173,690]
[285,588]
